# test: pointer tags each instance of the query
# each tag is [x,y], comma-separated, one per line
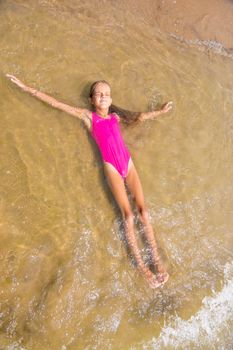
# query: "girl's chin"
[104,105]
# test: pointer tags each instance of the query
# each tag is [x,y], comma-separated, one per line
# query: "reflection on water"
[66,279]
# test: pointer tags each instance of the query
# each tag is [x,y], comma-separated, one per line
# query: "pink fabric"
[106,132]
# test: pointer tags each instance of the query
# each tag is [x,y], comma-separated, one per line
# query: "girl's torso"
[107,134]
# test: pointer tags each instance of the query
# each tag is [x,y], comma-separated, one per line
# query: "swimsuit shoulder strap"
[115,116]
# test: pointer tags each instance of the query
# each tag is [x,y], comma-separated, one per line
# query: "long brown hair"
[127,116]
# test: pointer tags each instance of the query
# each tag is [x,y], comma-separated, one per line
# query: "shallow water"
[66,279]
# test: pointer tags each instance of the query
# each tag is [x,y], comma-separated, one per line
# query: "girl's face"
[101,98]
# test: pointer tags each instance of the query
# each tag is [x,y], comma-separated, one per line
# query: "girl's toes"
[163,277]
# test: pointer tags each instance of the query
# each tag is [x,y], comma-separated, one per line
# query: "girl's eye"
[100,94]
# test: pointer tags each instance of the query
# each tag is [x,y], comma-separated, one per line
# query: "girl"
[118,165]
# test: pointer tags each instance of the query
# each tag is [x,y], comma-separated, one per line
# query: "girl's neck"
[102,113]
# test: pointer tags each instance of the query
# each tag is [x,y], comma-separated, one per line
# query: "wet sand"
[192,20]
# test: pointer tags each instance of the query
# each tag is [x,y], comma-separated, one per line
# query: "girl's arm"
[74,111]
[130,117]
[154,114]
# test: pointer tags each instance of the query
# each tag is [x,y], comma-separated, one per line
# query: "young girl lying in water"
[118,165]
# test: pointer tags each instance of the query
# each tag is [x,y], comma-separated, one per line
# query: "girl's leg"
[117,186]
[135,187]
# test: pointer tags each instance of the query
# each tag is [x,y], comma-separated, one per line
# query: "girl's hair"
[128,117]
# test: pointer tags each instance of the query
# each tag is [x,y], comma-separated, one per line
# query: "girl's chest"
[105,126]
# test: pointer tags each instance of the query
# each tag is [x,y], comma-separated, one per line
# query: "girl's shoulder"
[87,114]
[116,116]
[87,118]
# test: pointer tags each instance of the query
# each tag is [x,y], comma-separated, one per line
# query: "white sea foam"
[209,328]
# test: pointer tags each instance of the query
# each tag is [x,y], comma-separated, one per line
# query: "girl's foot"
[154,281]
[162,277]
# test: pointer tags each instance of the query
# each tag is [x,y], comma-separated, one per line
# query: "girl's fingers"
[11,77]
[168,106]
[15,80]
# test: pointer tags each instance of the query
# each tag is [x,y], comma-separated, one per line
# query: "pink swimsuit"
[107,135]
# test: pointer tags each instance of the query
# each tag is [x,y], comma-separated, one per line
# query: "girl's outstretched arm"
[154,114]
[74,111]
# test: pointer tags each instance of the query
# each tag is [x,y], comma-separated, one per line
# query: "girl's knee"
[143,213]
[127,214]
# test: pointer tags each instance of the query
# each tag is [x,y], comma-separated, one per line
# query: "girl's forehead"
[102,87]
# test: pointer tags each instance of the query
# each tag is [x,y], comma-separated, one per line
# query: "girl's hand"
[17,82]
[167,107]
